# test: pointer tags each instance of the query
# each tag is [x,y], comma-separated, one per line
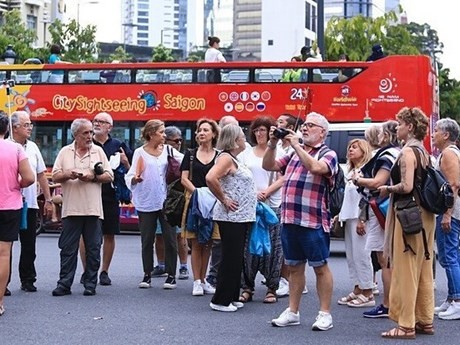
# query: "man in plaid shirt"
[304,215]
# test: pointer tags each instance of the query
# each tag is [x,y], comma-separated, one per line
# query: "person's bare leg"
[324,285]
[108,248]
[5,251]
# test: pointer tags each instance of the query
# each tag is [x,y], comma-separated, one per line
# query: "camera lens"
[280,133]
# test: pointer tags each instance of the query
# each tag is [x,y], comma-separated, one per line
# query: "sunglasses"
[177,141]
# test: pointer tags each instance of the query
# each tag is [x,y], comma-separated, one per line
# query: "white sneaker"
[442,308]
[197,288]
[287,318]
[207,288]
[223,308]
[323,322]
[305,290]
[283,288]
[452,313]
[375,289]
[238,304]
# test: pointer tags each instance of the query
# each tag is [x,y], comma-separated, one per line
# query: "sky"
[435,13]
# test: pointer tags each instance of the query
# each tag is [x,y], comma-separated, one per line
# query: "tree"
[14,32]
[162,54]
[120,55]
[449,95]
[78,43]
[356,36]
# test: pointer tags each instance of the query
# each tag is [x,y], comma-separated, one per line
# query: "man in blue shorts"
[305,217]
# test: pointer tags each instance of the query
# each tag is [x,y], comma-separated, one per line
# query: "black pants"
[73,227]
[27,237]
[233,236]
[147,227]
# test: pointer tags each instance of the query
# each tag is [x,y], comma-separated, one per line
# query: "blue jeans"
[449,255]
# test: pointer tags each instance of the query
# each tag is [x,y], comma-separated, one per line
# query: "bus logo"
[239,107]
[386,85]
[260,106]
[151,99]
[228,107]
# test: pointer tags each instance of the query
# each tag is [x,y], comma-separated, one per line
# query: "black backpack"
[434,192]
[336,191]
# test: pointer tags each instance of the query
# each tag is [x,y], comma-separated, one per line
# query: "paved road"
[125,314]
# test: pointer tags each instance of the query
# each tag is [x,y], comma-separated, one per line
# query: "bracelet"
[49,201]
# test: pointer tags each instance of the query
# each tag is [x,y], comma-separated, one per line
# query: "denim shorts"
[302,244]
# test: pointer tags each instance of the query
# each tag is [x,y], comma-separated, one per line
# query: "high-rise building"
[352,8]
[176,24]
[36,15]
[272,30]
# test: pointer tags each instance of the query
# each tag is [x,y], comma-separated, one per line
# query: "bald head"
[104,117]
[228,120]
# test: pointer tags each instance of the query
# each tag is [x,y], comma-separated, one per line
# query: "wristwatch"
[49,201]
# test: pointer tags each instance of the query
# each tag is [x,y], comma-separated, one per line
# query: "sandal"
[421,328]
[270,297]
[344,300]
[246,296]
[362,301]
[400,332]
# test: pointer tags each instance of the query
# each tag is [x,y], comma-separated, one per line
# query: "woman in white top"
[213,54]
[268,184]
[358,258]
[147,181]
[232,183]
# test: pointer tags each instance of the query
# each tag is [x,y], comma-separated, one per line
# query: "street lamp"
[163,30]
[88,2]
[9,55]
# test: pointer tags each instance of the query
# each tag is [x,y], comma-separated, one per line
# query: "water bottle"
[23,224]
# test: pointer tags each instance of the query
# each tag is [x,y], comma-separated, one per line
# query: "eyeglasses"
[177,141]
[100,122]
[311,125]
[27,125]
[259,130]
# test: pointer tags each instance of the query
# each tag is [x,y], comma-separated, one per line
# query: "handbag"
[173,172]
[409,216]
[380,208]
[176,198]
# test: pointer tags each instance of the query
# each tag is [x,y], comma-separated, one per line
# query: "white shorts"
[375,233]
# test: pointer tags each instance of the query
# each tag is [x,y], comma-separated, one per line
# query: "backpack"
[434,192]
[335,192]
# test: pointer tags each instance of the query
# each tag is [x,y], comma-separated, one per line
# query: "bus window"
[26,76]
[84,77]
[236,76]
[49,138]
[265,75]
[164,76]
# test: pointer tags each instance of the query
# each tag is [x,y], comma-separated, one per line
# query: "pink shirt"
[10,192]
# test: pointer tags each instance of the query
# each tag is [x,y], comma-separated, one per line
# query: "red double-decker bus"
[180,93]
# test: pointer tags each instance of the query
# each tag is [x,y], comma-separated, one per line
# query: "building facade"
[36,15]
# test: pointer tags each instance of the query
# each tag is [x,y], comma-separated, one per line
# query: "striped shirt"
[303,200]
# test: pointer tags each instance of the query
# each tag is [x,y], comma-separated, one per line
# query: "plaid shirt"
[303,199]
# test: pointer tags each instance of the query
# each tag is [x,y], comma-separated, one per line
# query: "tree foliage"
[120,55]
[14,32]
[78,43]
[356,36]
[162,54]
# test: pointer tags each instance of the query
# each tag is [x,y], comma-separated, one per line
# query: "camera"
[280,133]
[98,168]
[9,83]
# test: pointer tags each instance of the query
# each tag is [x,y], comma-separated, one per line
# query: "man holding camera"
[305,217]
[115,150]
[81,168]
